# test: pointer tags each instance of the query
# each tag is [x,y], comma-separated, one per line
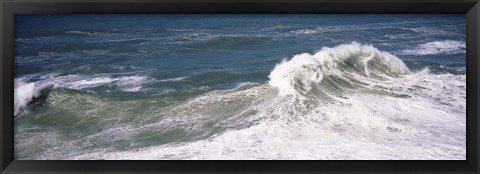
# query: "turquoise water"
[201,86]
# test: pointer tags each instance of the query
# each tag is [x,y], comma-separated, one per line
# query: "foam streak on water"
[437,47]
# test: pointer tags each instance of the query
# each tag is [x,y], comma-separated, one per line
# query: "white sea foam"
[208,36]
[437,47]
[86,33]
[84,83]
[428,30]
[24,93]
[173,79]
[245,85]
[309,31]
[126,83]
[131,83]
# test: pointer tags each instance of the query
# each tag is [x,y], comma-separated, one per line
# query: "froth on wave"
[87,33]
[24,93]
[174,79]
[437,47]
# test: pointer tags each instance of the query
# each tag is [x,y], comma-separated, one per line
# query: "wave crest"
[25,93]
[331,70]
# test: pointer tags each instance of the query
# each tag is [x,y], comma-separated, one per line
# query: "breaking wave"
[25,93]
[331,71]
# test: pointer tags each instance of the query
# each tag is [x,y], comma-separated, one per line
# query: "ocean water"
[340,87]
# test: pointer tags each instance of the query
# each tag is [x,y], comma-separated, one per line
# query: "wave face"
[240,87]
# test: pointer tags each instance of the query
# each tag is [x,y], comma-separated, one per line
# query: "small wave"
[173,79]
[309,31]
[179,29]
[86,33]
[125,40]
[396,36]
[428,30]
[131,83]
[209,37]
[244,85]
[437,47]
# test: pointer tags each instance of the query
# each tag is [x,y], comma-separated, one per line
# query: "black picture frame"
[8,9]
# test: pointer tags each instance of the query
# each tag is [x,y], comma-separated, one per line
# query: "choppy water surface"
[240,87]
